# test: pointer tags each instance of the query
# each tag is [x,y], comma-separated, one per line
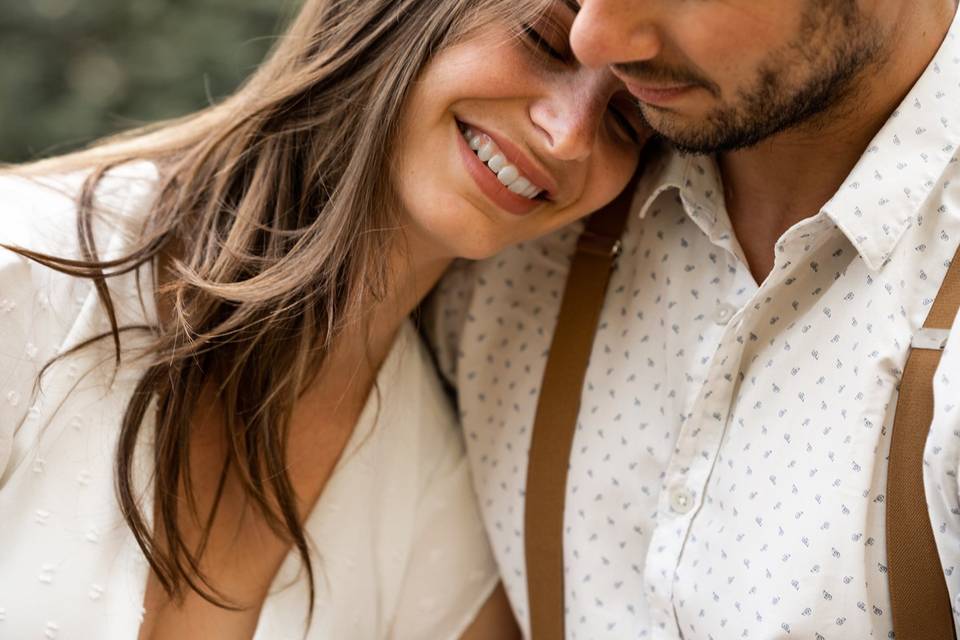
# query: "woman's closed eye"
[552,41]
[556,48]
[626,114]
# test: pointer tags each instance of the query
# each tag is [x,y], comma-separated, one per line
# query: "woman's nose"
[606,32]
[570,113]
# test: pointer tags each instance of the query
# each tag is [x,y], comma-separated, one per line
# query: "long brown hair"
[275,208]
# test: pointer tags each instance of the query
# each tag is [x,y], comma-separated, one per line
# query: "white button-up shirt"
[728,472]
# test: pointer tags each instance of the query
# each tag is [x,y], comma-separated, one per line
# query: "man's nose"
[606,32]
[571,113]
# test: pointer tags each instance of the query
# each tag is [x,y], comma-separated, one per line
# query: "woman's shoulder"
[39,211]
[40,306]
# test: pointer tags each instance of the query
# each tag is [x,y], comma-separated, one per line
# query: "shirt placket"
[699,441]
[695,451]
[684,482]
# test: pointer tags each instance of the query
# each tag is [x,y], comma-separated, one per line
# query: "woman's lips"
[488,182]
[538,176]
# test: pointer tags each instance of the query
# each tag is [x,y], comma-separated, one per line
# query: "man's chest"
[730,448]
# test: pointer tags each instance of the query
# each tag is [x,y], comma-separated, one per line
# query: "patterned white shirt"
[728,472]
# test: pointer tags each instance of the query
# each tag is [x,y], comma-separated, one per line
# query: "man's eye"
[543,44]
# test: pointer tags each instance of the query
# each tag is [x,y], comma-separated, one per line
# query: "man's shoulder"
[486,291]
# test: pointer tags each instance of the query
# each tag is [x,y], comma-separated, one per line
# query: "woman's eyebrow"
[573,5]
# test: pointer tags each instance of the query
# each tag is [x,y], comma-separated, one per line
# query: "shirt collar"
[882,196]
[697,181]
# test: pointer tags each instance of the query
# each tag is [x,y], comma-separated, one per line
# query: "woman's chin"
[462,230]
[477,248]
[474,242]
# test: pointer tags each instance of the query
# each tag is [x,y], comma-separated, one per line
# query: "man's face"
[720,75]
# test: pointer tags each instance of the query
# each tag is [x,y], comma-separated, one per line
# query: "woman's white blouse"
[399,547]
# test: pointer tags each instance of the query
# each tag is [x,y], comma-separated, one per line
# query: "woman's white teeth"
[486,151]
[520,185]
[508,175]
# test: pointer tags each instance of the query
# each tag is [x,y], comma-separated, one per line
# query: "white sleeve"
[451,571]
[37,305]
[15,374]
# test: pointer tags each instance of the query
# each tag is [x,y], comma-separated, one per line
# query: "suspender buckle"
[933,339]
[599,245]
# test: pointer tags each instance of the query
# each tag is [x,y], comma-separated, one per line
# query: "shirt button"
[681,501]
[723,313]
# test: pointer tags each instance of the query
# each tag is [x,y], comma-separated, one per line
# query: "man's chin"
[683,137]
[688,137]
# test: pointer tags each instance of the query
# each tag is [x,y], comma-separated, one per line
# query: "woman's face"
[507,137]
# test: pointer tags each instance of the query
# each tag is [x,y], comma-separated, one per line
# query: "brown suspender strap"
[557,410]
[919,598]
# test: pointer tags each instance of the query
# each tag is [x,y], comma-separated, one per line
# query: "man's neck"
[772,186]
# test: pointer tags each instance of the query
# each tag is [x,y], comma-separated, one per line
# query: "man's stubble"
[815,79]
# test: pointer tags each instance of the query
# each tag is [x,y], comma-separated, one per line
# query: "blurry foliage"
[72,71]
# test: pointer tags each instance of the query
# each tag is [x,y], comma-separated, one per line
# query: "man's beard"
[836,46]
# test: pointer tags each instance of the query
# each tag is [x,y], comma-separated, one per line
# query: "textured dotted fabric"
[728,472]
[400,548]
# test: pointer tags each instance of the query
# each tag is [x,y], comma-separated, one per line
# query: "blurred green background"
[74,70]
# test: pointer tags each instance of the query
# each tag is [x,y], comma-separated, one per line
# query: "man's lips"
[657,94]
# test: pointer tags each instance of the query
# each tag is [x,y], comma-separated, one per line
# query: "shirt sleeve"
[450,570]
[14,392]
[39,305]
[36,303]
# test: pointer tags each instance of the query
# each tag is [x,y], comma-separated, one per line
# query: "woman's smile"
[543,145]
[502,172]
